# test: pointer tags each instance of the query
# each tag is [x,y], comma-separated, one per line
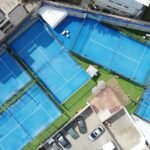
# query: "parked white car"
[96,133]
[108,146]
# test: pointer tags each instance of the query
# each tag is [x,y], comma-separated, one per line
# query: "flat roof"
[123,128]
[144,2]
[53,16]
[17,15]
[105,104]
[8,5]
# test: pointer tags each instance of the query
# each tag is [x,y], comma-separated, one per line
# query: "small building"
[106,103]
[11,14]
[109,107]
[127,8]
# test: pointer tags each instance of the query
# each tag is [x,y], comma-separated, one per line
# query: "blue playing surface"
[26,118]
[143,108]
[52,64]
[107,47]
[12,77]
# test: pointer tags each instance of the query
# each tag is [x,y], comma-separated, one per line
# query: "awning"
[53,16]
[92,71]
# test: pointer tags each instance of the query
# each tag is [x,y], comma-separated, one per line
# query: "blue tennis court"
[107,47]
[114,51]
[143,108]
[26,118]
[52,64]
[72,24]
[12,77]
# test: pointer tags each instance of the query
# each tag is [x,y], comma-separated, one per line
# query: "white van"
[108,146]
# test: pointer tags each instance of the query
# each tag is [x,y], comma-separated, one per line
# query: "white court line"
[32,41]
[19,124]
[13,74]
[8,74]
[87,43]
[117,52]
[50,117]
[67,82]
[53,65]
[138,64]
[16,63]
[5,77]
[47,62]
[34,100]
[41,68]
[75,91]
[90,39]
[142,104]
[114,51]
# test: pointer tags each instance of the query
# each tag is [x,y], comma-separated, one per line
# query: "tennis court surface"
[12,77]
[107,47]
[49,61]
[143,108]
[26,118]
[114,51]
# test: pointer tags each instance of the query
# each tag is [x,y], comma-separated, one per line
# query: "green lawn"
[79,99]
[135,34]
[133,90]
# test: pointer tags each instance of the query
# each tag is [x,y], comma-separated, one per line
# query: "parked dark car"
[50,145]
[41,148]
[81,124]
[62,140]
[45,146]
[71,131]
[55,146]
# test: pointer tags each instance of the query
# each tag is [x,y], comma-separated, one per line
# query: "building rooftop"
[17,15]
[144,2]
[105,104]
[8,5]
[108,100]
[53,16]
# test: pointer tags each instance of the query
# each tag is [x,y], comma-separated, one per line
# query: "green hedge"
[79,99]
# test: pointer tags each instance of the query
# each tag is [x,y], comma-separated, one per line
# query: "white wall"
[121,7]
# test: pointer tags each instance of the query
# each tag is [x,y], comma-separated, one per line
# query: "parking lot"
[83,143]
